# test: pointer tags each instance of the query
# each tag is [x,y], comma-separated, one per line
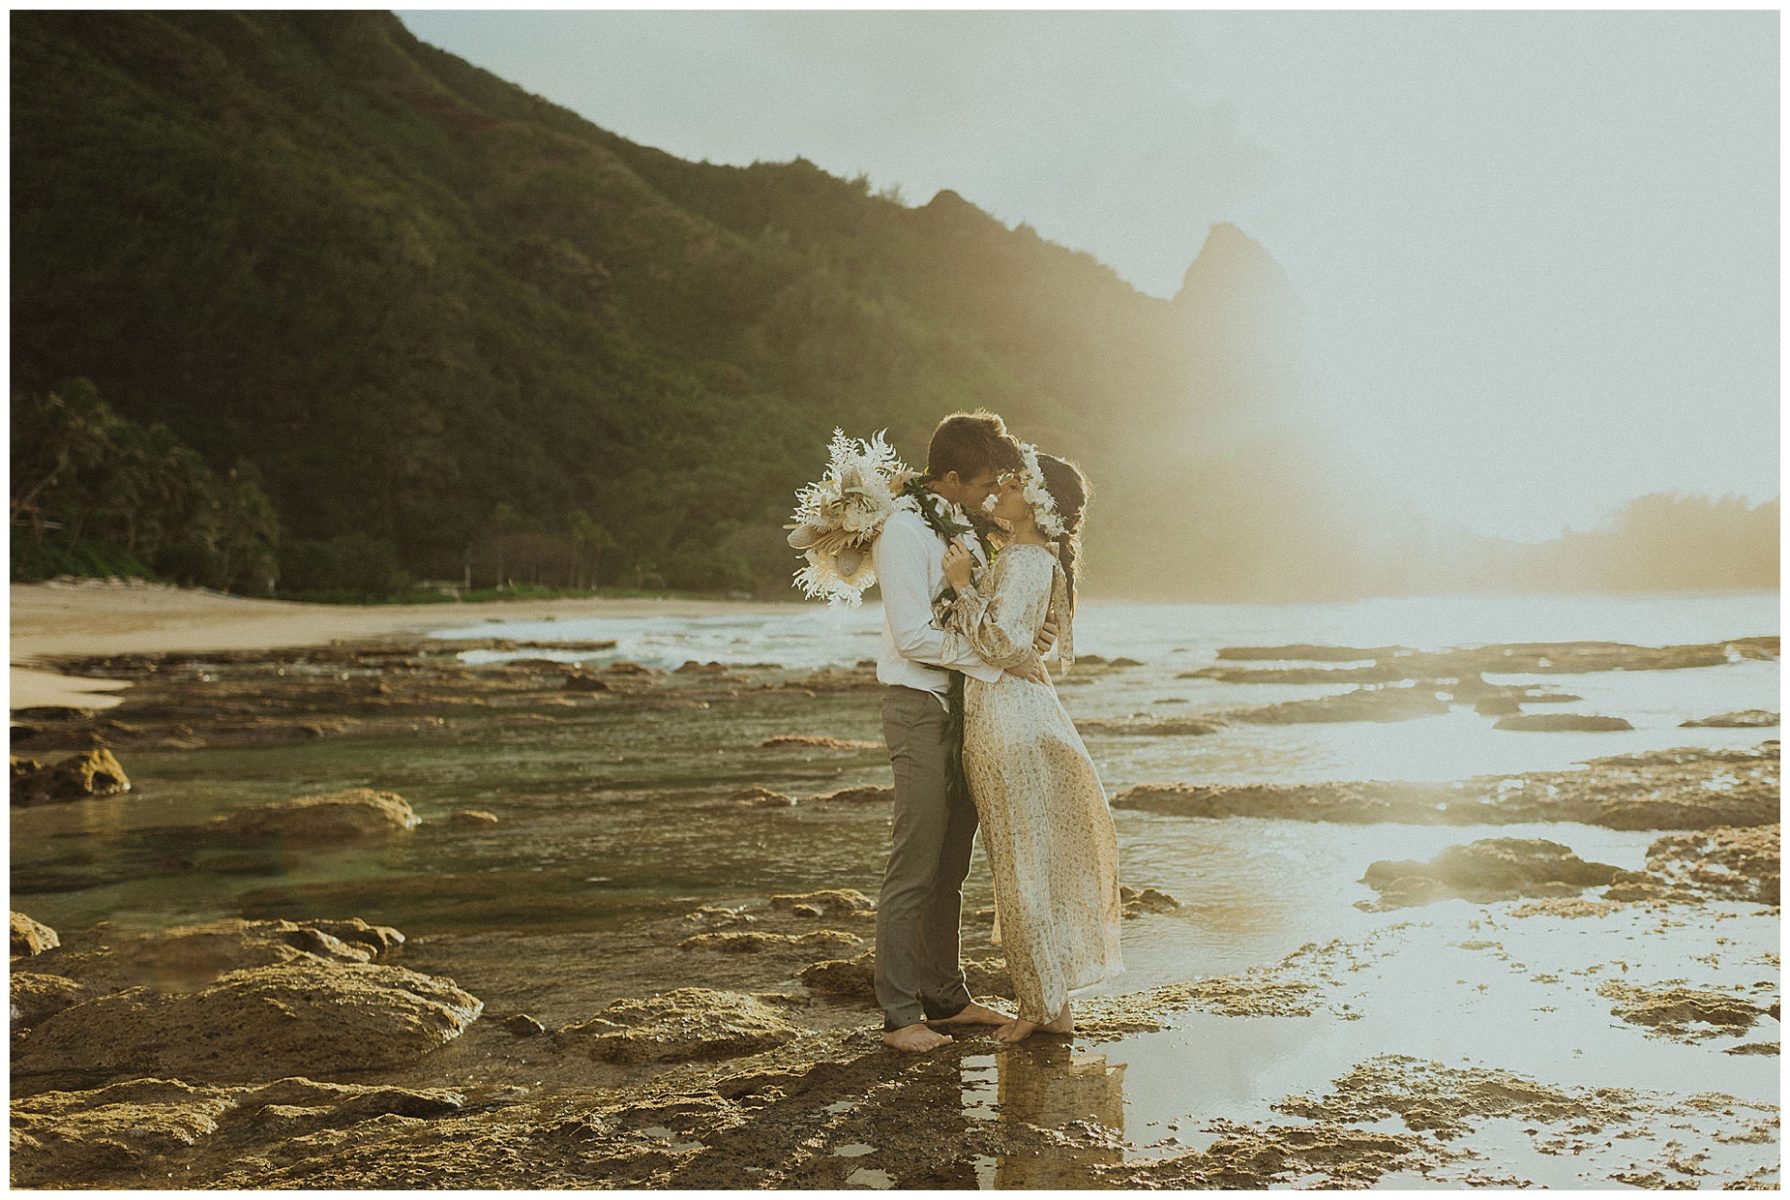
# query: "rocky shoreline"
[304,1046]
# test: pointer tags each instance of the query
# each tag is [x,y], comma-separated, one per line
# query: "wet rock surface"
[1686,1014]
[1690,788]
[1362,704]
[686,1023]
[1514,658]
[85,775]
[821,941]
[1136,902]
[1751,718]
[358,814]
[31,937]
[1722,864]
[322,1018]
[1430,1097]
[1483,871]
[114,1133]
[1562,723]
[36,995]
[194,955]
[1153,727]
[773,1073]
[810,741]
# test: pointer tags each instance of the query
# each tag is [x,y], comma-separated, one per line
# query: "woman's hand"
[959,563]
[900,481]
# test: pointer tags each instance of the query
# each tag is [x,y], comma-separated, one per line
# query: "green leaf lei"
[931,506]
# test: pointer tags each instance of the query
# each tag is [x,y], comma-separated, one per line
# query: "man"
[919,980]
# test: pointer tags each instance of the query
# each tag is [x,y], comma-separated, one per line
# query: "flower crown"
[1044,507]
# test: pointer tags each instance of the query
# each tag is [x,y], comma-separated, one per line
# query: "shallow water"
[611,818]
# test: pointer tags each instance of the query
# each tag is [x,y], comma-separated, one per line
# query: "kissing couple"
[978,584]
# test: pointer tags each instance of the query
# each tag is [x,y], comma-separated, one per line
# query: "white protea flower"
[838,518]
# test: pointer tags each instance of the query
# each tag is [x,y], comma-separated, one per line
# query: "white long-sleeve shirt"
[910,569]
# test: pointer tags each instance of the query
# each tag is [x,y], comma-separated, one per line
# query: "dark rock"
[734,941]
[762,797]
[31,937]
[1562,723]
[1306,652]
[846,902]
[1170,727]
[681,1025]
[523,1025]
[1684,788]
[82,776]
[354,815]
[858,795]
[855,978]
[1483,871]
[1711,864]
[472,818]
[1770,1048]
[1362,704]
[1135,902]
[1674,1011]
[1751,718]
[718,915]
[817,742]
[189,956]
[36,996]
[257,1023]
[87,1138]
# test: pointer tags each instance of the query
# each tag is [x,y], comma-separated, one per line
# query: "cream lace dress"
[1046,827]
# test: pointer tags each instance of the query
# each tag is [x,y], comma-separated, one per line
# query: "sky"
[1537,251]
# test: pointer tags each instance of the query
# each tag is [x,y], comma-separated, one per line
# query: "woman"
[1045,822]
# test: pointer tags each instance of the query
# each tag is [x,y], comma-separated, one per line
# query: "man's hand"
[1047,637]
[1032,672]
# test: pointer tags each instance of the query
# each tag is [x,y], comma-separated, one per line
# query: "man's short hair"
[970,443]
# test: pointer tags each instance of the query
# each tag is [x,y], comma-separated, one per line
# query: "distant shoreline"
[50,621]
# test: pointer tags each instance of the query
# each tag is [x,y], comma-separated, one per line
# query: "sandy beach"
[50,620]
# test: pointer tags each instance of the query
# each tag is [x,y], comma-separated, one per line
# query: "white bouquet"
[837,519]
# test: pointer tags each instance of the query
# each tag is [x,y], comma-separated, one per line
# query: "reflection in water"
[1048,1084]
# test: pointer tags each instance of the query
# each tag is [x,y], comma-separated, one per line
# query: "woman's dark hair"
[1068,489]
[970,443]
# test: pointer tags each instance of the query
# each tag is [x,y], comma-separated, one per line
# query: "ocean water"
[814,635]
[1172,639]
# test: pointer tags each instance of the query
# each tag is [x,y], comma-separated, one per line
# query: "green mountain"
[354,312]
[435,310]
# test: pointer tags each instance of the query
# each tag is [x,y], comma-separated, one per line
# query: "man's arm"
[905,576]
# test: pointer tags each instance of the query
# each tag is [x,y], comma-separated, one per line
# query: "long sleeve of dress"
[1001,624]
[903,573]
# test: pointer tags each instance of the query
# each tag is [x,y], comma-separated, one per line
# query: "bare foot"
[1063,1023]
[1015,1031]
[974,1014]
[915,1039]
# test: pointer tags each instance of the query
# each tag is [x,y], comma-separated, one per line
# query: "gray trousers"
[918,975]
